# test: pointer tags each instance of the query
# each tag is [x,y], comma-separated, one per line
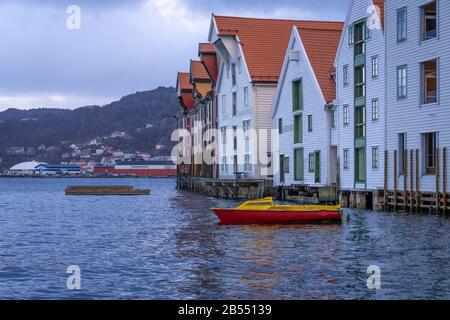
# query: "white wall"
[375,130]
[407,115]
[313,104]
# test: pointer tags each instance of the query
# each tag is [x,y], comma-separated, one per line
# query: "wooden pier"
[226,188]
[411,197]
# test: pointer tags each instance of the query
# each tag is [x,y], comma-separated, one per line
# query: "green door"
[317,167]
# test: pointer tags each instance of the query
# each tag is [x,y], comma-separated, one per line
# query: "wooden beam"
[444,177]
[385,177]
[395,180]
[417,181]
[405,179]
[438,198]
[411,180]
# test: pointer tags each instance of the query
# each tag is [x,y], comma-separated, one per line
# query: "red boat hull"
[233,216]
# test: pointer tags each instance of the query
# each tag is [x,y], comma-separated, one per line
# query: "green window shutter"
[298,130]
[295,96]
[300,85]
[298,164]
[280,126]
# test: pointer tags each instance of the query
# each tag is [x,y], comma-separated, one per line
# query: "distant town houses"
[358,106]
[87,155]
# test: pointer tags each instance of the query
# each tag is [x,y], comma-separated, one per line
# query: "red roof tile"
[380,4]
[321,46]
[184,81]
[198,71]
[264,41]
[206,48]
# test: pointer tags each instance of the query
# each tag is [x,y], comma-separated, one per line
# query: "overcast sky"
[122,46]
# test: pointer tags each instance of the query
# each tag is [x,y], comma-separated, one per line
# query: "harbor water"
[169,245]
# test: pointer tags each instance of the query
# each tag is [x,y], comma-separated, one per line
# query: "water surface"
[169,246]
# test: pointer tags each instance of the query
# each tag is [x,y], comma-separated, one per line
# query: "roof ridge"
[277,19]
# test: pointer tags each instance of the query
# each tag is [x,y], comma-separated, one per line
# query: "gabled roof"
[206,48]
[321,46]
[184,81]
[198,71]
[264,41]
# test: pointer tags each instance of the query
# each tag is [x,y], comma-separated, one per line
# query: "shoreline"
[85,177]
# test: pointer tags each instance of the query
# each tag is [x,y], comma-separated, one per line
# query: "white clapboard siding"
[407,115]
[375,89]
[313,104]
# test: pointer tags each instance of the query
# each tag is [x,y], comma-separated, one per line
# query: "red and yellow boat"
[264,211]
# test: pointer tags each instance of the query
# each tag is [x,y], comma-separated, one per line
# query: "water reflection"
[169,245]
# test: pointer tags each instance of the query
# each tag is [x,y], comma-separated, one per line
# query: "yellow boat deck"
[267,204]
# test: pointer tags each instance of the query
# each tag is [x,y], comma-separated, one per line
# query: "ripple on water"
[169,246]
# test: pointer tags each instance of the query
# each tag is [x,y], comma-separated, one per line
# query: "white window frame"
[224,103]
[346,114]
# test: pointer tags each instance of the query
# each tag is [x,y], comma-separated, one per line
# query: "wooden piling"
[417,181]
[395,180]
[444,177]
[405,179]
[385,178]
[438,198]
[411,180]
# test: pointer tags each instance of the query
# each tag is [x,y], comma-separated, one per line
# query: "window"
[228,71]
[298,134]
[429,21]
[346,165]
[286,165]
[375,67]
[298,164]
[429,82]
[401,25]
[401,153]
[235,138]
[311,162]
[346,115]
[360,34]
[310,123]
[246,96]
[345,75]
[360,122]
[247,163]
[375,155]
[375,109]
[239,60]
[297,95]
[223,165]
[360,81]
[233,74]
[429,152]
[402,74]
[234,103]
[224,103]
[280,126]
[360,165]
[351,35]
[332,118]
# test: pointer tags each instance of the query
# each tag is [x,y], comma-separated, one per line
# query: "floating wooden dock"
[105,191]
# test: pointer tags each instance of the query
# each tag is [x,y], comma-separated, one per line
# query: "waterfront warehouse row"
[359,105]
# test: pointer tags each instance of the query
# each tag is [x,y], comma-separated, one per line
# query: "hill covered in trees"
[145,117]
